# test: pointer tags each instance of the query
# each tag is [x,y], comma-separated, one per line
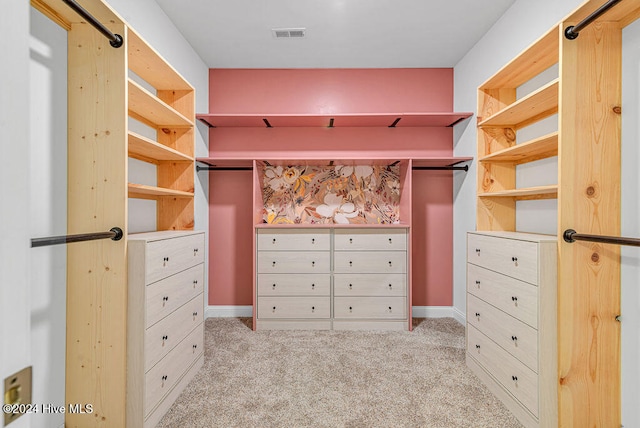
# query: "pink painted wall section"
[326,91]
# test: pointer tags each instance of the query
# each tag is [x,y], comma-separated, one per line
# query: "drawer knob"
[514,378]
[390,287]
[514,259]
[390,241]
[350,263]
[165,298]
[478,251]
[350,309]
[514,338]
[477,282]
[350,286]
[313,264]
[273,286]
[164,377]
[313,240]
[195,346]
[195,314]
[350,240]
[165,338]
[195,283]
[273,309]
[313,308]
[390,264]
[166,260]
[514,298]
[389,308]
[274,241]
[477,346]
[273,264]
[313,286]
[195,252]
[478,314]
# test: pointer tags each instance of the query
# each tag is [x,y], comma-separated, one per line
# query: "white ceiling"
[339,33]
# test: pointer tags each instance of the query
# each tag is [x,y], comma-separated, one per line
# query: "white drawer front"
[517,298]
[164,375]
[370,307]
[294,262]
[301,240]
[293,307]
[368,239]
[370,262]
[517,378]
[291,284]
[514,336]
[518,259]
[165,296]
[164,335]
[368,284]
[168,256]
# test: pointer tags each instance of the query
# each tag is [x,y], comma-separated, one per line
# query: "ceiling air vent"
[288,33]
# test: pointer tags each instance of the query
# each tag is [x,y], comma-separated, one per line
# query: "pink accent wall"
[329,91]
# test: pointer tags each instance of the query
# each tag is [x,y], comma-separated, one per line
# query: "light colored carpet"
[336,379]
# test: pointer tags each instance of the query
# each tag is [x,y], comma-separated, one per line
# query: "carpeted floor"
[336,379]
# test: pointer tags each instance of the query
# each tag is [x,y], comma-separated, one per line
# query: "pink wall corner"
[326,91]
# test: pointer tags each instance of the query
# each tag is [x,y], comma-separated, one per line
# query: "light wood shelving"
[587,97]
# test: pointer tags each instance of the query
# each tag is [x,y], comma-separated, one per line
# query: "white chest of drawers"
[511,321]
[322,278]
[165,319]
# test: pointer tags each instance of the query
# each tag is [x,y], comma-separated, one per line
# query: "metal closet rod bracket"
[572,236]
[115,40]
[572,32]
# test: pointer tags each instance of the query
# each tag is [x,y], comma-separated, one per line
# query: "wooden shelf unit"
[587,97]
[101,95]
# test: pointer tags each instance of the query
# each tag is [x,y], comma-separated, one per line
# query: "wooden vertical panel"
[495,213]
[97,201]
[589,202]
[182,140]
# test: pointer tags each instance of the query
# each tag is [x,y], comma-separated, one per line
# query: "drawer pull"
[273,264]
[477,346]
[164,339]
[195,252]
[164,377]
[390,287]
[390,264]
[478,251]
[195,283]
[195,314]
[313,308]
[313,286]
[350,309]
[389,308]
[165,298]
[350,263]
[350,286]
[273,286]
[478,314]
[274,241]
[514,378]
[166,260]
[195,346]
[313,264]
[273,309]
[313,240]
[390,241]
[478,283]
[514,298]
[514,338]
[350,240]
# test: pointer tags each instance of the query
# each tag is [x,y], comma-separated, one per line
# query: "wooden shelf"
[532,108]
[540,192]
[147,150]
[540,148]
[435,119]
[149,65]
[540,55]
[144,105]
[150,192]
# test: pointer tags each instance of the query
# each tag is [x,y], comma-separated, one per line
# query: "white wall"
[15,347]
[35,182]
[521,25]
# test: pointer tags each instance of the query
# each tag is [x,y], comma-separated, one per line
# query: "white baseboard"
[228,311]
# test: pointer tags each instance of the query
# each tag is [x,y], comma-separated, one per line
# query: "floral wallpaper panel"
[341,194]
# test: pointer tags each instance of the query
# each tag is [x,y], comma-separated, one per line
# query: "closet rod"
[448,168]
[115,234]
[571,236]
[115,40]
[223,168]
[572,32]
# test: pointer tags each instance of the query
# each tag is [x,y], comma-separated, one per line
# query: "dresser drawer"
[370,284]
[517,378]
[514,336]
[294,307]
[512,257]
[370,262]
[368,239]
[168,256]
[291,284]
[166,295]
[164,375]
[300,240]
[294,262]
[370,307]
[517,298]
[164,335]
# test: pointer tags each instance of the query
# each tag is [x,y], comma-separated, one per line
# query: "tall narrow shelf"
[587,96]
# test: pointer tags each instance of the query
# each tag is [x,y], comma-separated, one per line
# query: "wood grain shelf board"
[624,12]
[149,65]
[420,119]
[144,191]
[539,192]
[539,148]
[540,55]
[531,108]
[147,106]
[145,149]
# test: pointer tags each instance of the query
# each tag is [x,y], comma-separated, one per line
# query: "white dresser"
[165,312]
[324,278]
[511,321]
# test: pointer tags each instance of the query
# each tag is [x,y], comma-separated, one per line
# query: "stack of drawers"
[511,321]
[370,279]
[321,278]
[165,320]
